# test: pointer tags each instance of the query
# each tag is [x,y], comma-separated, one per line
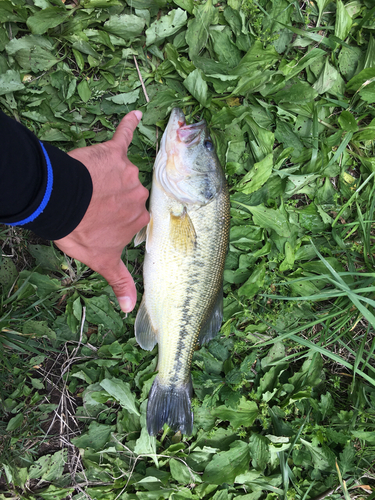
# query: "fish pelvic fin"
[145,334]
[212,325]
[140,237]
[145,234]
[170,405]
[182,232]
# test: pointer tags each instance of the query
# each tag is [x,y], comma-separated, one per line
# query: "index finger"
[125,129]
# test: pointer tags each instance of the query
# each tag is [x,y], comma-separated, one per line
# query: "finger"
[125,129]
[123,285]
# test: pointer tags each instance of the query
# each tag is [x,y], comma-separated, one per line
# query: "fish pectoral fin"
[145,334]
[145,234]
[182,232]
[211,326]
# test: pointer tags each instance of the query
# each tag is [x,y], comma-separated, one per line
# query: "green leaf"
[100,312]
[327,78]
[261,139]
[38,329]
[259,451]
[96,437]
[292,69]
[10,81]
[296,92]
[367,436]
[368,92]
[127,98]
[44,285]
[323,458]
[257,58]
[166,26]
[146,444]
[226,465]
[36,383]
[255,282]
[158,108]
[182,474]
[197,32]
[224,47]
[244,414]
[347,460]
[288,262]
[121,391]
[359,80]
[55,493]
[284,134]
[45,19]
[84,90]
[310,219]
[197,86]
[271,219]
[347,121]
[15,422]
[368,134]
[53,135]
[348,60]
[257,176]
[32,52]
[85,47]
[47,257]
[322,4]
[343,21]
[182,64]
[8,275]
[49,467]
[126,26]
[95,4]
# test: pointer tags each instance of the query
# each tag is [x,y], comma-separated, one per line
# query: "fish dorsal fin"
[145,234]
[211,326]
[144,332]
[181,232]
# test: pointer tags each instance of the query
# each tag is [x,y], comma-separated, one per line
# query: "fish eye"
[208,145]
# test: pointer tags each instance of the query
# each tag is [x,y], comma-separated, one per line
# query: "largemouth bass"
[186,245]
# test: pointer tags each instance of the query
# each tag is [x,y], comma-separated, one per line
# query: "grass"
[284,401]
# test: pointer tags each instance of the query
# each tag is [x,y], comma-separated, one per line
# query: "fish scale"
[184,288]
[186,245]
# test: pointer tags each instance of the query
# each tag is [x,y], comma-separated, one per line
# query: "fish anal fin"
[181,232]
[145,334]
[170,404]
[212,324]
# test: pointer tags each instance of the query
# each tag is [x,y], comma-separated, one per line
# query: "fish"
[186,246]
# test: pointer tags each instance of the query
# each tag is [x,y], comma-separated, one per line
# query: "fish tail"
[170,405]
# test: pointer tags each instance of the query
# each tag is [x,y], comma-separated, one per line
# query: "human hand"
[116,212]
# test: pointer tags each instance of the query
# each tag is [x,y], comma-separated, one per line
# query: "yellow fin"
[181,232]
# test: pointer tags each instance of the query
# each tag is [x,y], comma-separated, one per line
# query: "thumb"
[123,285]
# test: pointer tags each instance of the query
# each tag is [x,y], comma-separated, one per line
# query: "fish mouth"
[177,130]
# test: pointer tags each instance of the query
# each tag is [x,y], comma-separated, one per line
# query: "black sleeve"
[41,187]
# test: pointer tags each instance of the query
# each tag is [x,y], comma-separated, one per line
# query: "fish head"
[188,168]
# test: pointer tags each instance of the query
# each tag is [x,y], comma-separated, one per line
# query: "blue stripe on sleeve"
[46,196]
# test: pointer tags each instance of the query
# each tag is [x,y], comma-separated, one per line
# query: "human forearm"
[50,201]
